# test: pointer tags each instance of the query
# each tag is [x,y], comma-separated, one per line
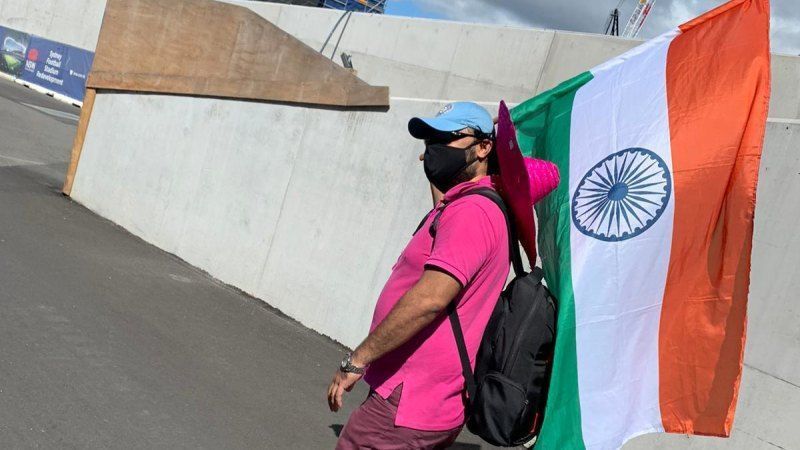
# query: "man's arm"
[414,311]
[466,236]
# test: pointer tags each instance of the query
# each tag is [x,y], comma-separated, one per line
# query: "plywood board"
[208,48]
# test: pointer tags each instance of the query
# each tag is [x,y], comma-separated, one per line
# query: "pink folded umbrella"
[523,181]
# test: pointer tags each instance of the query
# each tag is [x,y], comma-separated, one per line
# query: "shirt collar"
[460,188]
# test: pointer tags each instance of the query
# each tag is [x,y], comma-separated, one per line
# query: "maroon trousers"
[371,426]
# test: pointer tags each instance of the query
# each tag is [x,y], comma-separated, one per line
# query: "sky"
[590,16]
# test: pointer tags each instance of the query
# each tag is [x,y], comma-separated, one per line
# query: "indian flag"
[646,243]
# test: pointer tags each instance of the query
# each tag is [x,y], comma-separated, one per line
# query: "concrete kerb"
[37,88]
[55,95]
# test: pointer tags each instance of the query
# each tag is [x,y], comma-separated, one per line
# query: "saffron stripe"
[717,124]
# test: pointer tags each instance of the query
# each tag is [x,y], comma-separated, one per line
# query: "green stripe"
[543,130]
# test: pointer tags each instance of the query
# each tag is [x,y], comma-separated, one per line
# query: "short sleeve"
[468,234]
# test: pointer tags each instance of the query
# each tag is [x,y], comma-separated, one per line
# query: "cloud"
[590,15]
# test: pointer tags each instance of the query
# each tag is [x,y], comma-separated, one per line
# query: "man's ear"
[484,149]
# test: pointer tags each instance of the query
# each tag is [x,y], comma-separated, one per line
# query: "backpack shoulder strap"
[466,369]
[422,222]
[514,253]
[491,194]
[455,322]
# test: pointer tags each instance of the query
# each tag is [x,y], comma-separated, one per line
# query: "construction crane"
[635,23]
[612,25]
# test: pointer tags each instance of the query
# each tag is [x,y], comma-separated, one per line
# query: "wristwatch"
[347,365]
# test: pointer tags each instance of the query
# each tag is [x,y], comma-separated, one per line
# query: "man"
[410,356]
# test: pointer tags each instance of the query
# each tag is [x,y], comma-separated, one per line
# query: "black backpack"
[506,396]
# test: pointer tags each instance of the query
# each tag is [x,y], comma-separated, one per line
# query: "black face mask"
[443,164]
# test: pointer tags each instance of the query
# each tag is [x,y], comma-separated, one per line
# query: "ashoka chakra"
[622,196]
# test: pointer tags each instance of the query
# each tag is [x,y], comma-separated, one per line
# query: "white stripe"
[492,104]
[53,112]
[20,160]
[619,286]
[786,121]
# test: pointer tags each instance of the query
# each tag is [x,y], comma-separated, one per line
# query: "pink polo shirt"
[472,246]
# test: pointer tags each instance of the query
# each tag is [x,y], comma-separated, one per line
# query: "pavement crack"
[772,376]
[761,439]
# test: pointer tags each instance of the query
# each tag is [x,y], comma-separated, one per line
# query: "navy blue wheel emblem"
[622,196]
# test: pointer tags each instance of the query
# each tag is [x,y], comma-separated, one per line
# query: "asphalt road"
[108,342]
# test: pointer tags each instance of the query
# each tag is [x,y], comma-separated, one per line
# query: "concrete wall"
[304,208]
[417,58]
[436,59]
[73,22]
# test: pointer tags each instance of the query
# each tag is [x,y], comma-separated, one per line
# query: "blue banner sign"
[13,47]
[60,68]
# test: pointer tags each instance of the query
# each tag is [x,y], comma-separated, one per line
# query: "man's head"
[458,143]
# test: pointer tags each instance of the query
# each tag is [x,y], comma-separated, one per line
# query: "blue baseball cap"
[453,117]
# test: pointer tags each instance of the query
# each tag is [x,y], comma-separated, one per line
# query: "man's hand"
[425,301]
[342,382]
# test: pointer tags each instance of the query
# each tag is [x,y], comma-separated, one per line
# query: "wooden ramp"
[208,48]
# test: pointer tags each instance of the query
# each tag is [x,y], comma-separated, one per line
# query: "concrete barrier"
[417,58]
[305,208]
[72,22]
[436,59]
